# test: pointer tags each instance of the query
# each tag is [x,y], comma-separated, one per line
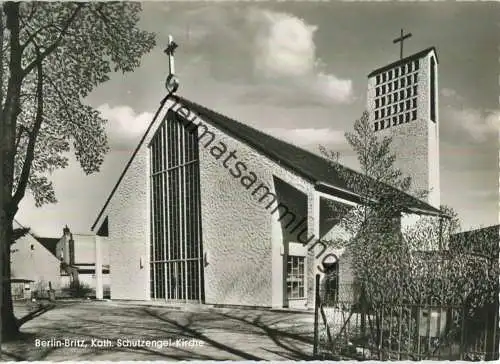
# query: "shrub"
[76,289]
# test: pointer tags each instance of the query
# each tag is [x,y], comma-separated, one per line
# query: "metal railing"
[347,327]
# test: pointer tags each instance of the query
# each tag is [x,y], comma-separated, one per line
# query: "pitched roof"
[410,58]
[310,166]
[49,243]
[482,240]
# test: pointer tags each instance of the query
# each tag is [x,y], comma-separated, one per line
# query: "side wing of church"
[210,210]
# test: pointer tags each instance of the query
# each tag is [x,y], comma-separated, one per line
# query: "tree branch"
[30,152]
[56,43]
[32,36]
[22,129]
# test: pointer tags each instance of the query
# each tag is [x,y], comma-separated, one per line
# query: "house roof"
[410,58]
[482,240]
[49,243]
[310,166]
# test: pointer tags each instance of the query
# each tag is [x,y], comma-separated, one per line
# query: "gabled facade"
[210,210]
[34,259]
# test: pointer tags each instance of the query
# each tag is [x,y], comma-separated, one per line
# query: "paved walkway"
[71,331]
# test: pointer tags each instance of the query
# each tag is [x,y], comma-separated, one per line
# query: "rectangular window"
[397,72]
[382,113]
[414,102]
[407,117]
[376,125]
[377,102]
[389,110]
[401,94]
[414,115]
[401,106]
[415,78]
[415,90]
[401,118]
[376,114]
[295,279]
[408,80]
[384,77]
[383,88]
[402,82]
[377,91]
[417,64]
[378,79]
[382,122]
[433,89]
[408,104]
[176,265]
[389,87]
[394,120]
[408,91]
[383,101]
[394,109]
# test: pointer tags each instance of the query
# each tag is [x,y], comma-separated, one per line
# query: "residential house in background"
[40,263]
[34,265]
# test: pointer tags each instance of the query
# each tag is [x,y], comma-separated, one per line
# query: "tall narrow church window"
[176,246]
[433,89]
[295,277]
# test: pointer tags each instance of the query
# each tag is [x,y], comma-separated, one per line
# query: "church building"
[210,210]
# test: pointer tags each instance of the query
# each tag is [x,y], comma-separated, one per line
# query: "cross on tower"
[400,40]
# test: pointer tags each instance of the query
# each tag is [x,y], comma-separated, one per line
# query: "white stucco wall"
[85,249]
[243,241]
[37,264]
[128,228]
[242,238]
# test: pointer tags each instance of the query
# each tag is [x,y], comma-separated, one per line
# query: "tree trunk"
[10,327]
[10,111]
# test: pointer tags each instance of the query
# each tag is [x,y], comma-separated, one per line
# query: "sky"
[298,71]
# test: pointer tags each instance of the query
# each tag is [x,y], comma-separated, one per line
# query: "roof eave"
[417,55]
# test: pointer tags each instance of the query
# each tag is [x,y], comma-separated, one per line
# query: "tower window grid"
[396,92]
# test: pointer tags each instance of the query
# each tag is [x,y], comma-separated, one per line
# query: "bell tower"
[402,102]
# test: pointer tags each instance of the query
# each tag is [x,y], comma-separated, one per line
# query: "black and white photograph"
[240,180]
